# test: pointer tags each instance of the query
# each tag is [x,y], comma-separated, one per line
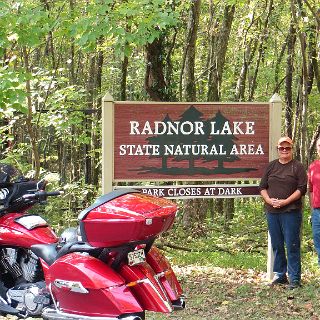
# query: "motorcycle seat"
[47,252]
[77,246]
[51,252]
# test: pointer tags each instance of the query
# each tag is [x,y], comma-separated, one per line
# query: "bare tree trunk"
[190,52]
[169,67]
[218,49]
[263,38]
[228,211]
[31,130]
[95,138]
[248,54]
[194,209]
[155,84]
[124,71]
[277,81]
[289,80]
[124,74]
[88,120]
[315,137]
[313,67]
[304,79]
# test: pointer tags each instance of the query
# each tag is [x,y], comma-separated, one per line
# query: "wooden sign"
[190,141]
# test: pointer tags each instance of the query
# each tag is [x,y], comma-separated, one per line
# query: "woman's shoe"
[294,285]
[279,280]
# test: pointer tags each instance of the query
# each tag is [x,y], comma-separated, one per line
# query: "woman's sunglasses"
[284,148]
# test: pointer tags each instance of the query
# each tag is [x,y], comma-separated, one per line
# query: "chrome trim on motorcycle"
[169,305]
[179,304]
[167,302]
[74,286]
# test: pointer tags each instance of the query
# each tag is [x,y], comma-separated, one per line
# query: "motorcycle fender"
[146,287]
[84,285]
[164,272]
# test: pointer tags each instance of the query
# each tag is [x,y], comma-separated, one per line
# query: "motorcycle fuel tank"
[25,230]
[126,218]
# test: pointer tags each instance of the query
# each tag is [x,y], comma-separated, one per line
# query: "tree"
[227,141]
[161,140]
[218,49]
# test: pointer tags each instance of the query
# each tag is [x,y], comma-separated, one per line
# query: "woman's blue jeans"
[315,220]
[284,229]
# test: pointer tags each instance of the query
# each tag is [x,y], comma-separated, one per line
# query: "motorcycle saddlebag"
[84,285]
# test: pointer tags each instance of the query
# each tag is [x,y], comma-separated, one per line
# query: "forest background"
[59,58]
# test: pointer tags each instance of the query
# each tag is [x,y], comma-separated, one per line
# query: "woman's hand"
[278,203]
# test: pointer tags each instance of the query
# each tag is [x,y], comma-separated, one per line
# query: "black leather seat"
[47,252]
[51,252]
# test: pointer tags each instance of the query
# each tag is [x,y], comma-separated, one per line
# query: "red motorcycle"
[106,269]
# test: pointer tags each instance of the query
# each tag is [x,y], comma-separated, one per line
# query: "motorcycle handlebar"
[42,195]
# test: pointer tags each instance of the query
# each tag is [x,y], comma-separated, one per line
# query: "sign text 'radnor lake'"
[196,129]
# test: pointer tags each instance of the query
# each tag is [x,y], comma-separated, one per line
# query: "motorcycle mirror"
[41,184]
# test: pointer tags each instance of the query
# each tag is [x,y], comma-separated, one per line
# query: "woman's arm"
[266,197]
[284,202]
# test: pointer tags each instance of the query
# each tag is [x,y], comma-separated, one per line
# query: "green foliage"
[65,110]
[123,24]
[12,91]
[63,41]
[62,212]
[16,157]
[23,23]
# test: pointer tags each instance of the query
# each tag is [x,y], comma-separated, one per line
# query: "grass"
[214,293]
[224,273]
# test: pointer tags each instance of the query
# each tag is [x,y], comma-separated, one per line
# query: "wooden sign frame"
[127,124]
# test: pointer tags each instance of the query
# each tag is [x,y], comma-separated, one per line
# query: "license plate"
[136,257]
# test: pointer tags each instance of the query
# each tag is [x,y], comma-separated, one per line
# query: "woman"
[282,186]
[314,198]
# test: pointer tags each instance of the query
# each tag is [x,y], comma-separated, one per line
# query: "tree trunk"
[219,45]
[96,115]
[313,61]
[247,60]
[248,54]
[190,52]
[88,119]
[289,80]
[218,49]
[315,137]
[304,81]
[155,84]
[277,81]
[194,209]
[263,38]
[124,74]
[31,130]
